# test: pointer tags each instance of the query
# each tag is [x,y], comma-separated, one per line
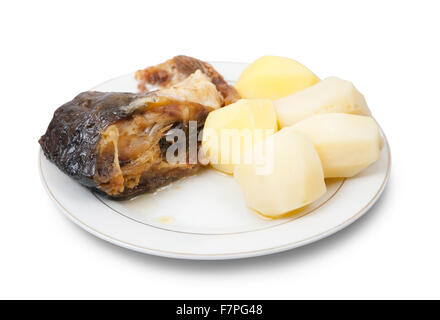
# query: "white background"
[52,50]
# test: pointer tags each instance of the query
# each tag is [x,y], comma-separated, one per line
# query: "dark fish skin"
[74,132]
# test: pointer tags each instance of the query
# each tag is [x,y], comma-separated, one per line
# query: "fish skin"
[72,136]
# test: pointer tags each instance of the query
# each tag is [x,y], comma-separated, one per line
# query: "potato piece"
[229,131]
[274,77]
[327,96]
[294,180]
[346,143]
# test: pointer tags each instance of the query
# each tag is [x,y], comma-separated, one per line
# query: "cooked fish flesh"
[116,142]
[179,68]
[196,88]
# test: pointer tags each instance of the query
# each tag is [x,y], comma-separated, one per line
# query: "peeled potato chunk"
[346,143]
[290,177]
[231,130]
[274,77]
[327,96]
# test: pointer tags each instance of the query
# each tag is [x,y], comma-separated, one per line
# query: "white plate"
[205,216]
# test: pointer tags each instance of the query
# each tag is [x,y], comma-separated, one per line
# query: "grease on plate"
[166,219]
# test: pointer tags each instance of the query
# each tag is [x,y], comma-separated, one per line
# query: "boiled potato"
[290,177]
[274,77]
[329,95]
[346,143]
[229,131]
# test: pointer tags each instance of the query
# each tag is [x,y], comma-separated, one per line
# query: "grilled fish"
[116,142]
